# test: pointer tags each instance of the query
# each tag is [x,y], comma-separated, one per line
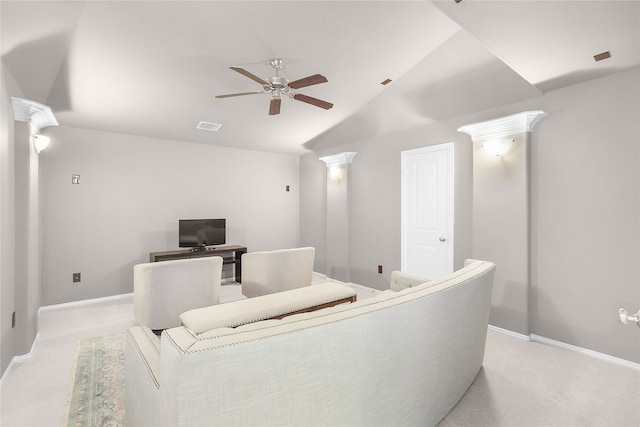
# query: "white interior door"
[427,211]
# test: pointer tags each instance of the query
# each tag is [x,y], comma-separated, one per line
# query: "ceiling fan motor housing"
[278,86]
[278,82]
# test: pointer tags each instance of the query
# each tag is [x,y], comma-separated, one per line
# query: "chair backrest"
[268,272]
[164,290]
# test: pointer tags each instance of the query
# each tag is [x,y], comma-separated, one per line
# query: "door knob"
[442,239]
[626,318]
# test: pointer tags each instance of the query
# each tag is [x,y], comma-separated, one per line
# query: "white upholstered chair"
[164,290]
[276,271]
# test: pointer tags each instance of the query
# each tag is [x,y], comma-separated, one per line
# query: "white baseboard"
[84,302]
[510,333]
[21,358]
[586,351]
[560,344]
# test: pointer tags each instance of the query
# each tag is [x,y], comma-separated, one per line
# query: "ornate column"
[338,262]
[501,212]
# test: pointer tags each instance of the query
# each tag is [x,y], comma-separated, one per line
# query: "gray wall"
[585,191]
[7,225]
[586,215]
[313,205]
[131,194]
[19,229]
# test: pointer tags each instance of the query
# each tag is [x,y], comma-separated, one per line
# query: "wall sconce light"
[40,142]
[497,147]
[336,161]
[334,171]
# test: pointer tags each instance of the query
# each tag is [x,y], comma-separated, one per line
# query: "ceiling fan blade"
[237,94]
[308,81]
[313,101]
[248,74]
[274,106]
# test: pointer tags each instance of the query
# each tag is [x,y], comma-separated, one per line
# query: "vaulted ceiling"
[153,68]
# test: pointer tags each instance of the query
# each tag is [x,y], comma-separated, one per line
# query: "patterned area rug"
[96,391]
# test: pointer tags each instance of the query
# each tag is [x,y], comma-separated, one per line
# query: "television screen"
[195,233]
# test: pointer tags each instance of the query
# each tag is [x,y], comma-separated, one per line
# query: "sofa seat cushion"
[271,306]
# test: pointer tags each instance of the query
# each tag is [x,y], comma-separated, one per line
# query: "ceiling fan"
[277,86]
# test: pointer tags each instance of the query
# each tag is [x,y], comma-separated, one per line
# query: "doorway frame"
[449,148]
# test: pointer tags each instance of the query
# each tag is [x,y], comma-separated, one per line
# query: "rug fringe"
[72,385]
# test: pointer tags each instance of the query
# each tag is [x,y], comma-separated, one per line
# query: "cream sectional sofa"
[401,358]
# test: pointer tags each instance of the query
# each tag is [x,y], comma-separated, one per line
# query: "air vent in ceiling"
[386,82]
[602,56]
[208,126]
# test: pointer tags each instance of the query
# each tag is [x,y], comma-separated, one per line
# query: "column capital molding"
[39,115]
[339,159]
[503,126]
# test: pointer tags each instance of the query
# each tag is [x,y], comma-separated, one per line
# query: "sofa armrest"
[271,306]
[400,281]
[142,368]
[142,342]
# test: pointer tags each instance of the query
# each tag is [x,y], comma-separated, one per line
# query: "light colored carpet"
[97,386]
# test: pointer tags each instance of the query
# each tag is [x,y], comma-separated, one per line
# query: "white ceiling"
[152,68]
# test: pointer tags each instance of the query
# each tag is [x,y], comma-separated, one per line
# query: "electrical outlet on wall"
[76,277]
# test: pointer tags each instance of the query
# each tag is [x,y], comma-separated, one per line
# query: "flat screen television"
[200,233]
